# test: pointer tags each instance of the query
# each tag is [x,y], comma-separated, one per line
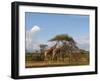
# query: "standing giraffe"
[49,52]
[59,52]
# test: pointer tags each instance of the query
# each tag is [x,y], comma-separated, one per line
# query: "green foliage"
[63,37]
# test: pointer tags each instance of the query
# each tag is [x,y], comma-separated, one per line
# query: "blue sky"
[53,24]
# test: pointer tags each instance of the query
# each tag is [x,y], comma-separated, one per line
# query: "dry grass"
[82,59]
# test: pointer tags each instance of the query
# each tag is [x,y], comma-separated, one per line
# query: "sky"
[46,25]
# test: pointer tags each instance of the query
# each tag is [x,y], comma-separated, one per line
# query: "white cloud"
[31,40]
[83,42]
[35,29]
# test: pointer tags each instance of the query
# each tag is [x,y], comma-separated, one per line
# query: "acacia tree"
[68,44]
[65,39]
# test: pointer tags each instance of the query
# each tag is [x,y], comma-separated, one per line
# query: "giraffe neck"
[54,46]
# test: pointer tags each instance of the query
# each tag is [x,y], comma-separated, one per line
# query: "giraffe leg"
[45,56]
[53,55]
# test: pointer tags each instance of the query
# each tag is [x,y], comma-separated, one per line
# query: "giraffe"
[63,51]
[59,52]
[56,51]
[49,52]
